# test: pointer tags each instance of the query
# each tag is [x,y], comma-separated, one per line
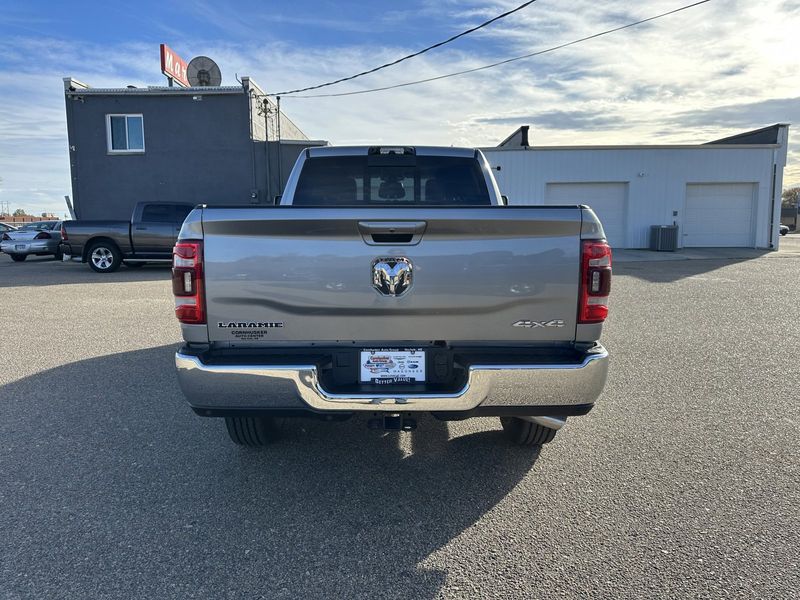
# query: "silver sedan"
[6,227]
[40,238]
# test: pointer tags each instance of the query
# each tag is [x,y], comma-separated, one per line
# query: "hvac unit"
[664,238]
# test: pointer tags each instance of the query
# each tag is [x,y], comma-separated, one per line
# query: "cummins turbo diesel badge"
[249,324]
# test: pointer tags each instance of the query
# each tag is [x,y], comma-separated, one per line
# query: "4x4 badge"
[534,324]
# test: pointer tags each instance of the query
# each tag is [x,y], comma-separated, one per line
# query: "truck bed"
[81,231]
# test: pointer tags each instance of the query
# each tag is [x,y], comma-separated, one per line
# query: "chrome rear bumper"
[269,387]
[29,247]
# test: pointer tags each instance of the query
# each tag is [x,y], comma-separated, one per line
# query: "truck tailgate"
[302,275]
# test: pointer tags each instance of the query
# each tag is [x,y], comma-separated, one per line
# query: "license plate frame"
[20,246]
[392,366]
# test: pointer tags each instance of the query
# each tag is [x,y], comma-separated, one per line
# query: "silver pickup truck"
[392,281]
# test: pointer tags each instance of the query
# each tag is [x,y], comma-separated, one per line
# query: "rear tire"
[18,257]
[104,257]
[526,433]
[253,432]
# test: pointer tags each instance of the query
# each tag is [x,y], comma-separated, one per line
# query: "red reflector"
[190,314]
[594,313]
[186,249]
[595,281]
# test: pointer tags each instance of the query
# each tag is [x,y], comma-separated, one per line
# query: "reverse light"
[595,281]
[187,282]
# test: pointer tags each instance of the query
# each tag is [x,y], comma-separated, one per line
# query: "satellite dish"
[203,72]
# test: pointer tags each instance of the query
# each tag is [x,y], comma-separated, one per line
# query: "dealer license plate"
[20,246]
[392,365]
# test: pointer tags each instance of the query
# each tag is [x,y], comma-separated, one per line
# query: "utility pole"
[268,110]
[280,157]
[5,208]
[264,110]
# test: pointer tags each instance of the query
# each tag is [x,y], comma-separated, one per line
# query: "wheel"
[134,265]
[104,257]
[526,433]
[59,256]
[254,432]
[18,257]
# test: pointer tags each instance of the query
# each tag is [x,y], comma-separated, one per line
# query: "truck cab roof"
[320,151]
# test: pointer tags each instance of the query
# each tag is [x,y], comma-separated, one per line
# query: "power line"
[508,60]
[399,60]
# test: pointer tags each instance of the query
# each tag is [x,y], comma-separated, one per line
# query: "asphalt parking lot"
[682,483]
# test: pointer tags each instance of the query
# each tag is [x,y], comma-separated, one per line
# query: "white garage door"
[608,200]
[719,215]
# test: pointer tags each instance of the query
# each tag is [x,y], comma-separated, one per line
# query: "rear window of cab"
[404,180]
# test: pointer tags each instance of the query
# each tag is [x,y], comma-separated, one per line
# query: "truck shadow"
[108,478]
[45,270]
[666,271]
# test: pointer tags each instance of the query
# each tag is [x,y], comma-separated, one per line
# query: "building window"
[125,133]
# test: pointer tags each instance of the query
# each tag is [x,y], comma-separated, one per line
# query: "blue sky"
[315,23]
[724,67]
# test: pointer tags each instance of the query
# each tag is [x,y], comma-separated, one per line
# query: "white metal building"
[725,193]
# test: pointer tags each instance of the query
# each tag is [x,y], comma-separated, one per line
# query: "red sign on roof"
[173,66]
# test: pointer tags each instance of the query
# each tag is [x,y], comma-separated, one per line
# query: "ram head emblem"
[392,276]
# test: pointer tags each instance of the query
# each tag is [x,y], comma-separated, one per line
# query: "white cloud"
[715,70]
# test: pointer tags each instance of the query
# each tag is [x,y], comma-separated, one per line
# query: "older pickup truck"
[390,282]
[148,237]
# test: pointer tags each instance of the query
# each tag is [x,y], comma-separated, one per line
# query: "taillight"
[43,235]
[187,282]
[595,281]
[64,236]
[5,237]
